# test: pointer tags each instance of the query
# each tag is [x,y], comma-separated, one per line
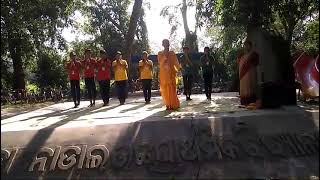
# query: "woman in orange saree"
[248,63]
[169,66]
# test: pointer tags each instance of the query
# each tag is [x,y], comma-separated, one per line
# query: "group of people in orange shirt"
[103,66]
[169,65]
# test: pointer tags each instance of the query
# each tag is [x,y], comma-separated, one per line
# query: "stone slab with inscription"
[280,143]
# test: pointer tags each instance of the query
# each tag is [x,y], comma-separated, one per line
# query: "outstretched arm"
[176,62]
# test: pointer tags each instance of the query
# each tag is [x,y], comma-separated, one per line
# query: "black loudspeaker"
[271,95]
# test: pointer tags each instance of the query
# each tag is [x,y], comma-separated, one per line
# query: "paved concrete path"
[134,110]
[63,115]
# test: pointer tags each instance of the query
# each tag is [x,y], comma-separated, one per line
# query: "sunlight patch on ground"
[134,110]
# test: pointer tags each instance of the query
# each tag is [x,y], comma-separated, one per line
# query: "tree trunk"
[132,29]
[188,38]
[18,73]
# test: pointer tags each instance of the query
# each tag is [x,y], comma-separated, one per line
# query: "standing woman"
[146,73]
[73,68]
[169,66]
[120,67]
[89,66]
[104,66]
[248,63]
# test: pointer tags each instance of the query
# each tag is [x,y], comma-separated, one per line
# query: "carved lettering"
[42,160]
[95,161]
[82,156]
[145,154]
[71,159]
[309,143]
[287,140]
[187,150]
[209,148]
[273,146]
[7,159]
[230,149]
[55,158]
[170,155]
[121,157]
[164,152]
[252,148]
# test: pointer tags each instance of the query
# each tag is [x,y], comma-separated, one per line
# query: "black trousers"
[91,88]
[122,90]
[207,77]
[146,85]
[75,91]
[187,83]
[105,90]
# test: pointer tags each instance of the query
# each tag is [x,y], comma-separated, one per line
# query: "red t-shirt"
[103,69]
[73,68]
[89,66]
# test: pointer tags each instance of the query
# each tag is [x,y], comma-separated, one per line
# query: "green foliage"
[51,70]
[308,40]
[79,47]
[26,26]
[32,88]
[109,23]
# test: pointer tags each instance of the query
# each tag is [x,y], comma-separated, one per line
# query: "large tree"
[109,23]
[26,26]
[191,39]
[135,15]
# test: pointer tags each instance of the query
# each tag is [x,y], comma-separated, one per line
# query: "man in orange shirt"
[104,65]
[89,67]
[73,68]
[120,67]
[169,66]
[145,70]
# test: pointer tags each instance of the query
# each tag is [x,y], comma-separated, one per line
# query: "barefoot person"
[207,71]
[120,67]
[73,68]
[104,66]
[187,74]
[248,63]
[89,66]
[169,66]
[145,70]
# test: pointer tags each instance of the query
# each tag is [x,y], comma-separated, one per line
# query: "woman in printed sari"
[248,62]
[169,66]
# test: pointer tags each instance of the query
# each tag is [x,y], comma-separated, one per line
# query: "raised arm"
[175,62]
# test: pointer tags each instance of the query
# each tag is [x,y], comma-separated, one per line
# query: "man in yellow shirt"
[145,70]
[120,69]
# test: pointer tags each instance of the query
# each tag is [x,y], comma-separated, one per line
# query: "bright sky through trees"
[158,26]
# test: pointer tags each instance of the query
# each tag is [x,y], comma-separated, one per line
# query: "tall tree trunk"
[132,29]
[188,41]
[18,73]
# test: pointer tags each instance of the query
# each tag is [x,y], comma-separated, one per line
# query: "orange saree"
[169,66]
[248,77]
